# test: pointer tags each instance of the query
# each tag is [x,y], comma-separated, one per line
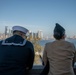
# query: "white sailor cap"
[20,28]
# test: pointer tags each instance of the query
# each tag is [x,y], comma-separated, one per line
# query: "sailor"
[60,54]
[16,53]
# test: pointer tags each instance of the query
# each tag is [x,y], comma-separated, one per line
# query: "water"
[43,42]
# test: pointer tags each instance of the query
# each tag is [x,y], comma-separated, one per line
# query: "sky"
[39,15]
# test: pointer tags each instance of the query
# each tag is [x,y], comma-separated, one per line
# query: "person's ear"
[63,37]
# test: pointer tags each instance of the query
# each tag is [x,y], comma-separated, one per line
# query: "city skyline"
[39,15]
[38,34]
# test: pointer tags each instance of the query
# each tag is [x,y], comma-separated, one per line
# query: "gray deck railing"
[36,70]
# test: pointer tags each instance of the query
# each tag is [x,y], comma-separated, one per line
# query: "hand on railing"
[41,59]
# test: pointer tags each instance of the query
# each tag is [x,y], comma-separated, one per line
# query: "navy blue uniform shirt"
[16,54]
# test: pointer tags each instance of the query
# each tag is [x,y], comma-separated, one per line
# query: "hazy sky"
[39,15]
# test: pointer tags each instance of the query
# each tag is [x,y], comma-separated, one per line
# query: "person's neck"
[18,34]
[61,39]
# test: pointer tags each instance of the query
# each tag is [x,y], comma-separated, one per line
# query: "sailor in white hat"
[16,53]
[20,28]
[18,31]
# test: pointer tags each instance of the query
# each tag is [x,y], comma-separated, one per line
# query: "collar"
[4,42]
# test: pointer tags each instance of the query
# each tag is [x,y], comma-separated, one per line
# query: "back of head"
[59,32]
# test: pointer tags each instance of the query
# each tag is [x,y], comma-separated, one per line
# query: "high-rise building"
[40,34]
[30,34]
[6,30]
[34,35]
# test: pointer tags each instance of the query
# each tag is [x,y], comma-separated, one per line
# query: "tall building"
[10,33]
[6,30]
[30,34]
[34,35]
[40,34]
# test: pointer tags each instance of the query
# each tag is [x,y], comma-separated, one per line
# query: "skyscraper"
[40,34]
[6,31]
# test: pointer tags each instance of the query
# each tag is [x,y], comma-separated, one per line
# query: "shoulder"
[60,43]
[50,43]
[30,46]
[1,41]
[69,43]
[29,43]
